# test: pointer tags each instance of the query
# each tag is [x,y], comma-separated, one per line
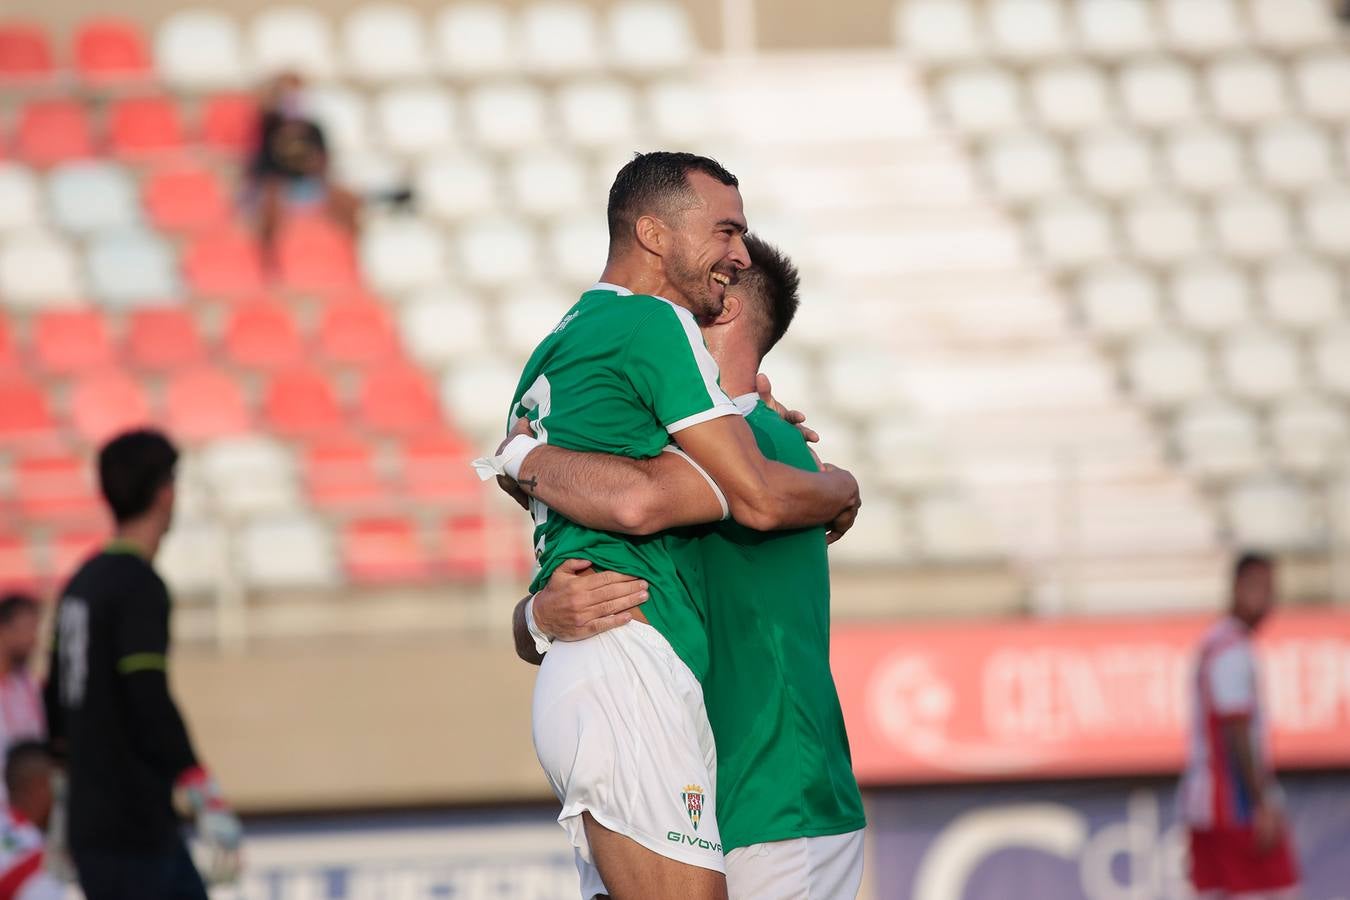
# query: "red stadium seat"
[68,340]
[471,548]
[53,131]
[111,50]
[263,334]
[205,403]
[144,127]
[183,199]
[224,262]
[25,53]
[300,403]
[399,399]
[9,353]
[340,474]
[164,339]
[354,331]
[71,549]
[313,254]
[384,550]
[436,470]
[230,122]
[24,413]
[18,569]
[55,487]
[103,404]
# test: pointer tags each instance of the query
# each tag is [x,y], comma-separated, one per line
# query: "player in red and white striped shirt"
[24,870]
[21,716]
[1240,845]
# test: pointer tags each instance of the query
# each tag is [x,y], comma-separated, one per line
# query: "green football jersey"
[783,764]
[620,374]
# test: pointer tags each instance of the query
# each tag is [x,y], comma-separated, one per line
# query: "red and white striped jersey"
[22,876]
[21,716]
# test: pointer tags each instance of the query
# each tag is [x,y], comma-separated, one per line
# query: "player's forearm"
[520,630]
[1237,735]
[157,726]
[795,498]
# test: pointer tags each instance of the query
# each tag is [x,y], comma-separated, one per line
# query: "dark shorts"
[1226,859]
[111,875]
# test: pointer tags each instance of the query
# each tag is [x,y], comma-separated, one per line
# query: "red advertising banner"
[1027,699]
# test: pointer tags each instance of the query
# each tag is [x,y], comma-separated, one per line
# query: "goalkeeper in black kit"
[111,718]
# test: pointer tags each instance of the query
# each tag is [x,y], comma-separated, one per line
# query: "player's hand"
[1267,823]
[844,521]
[579,602]
[791,416]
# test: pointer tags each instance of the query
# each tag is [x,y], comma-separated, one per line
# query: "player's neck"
[141,536]
[640,279]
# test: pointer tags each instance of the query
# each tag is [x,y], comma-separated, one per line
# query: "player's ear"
[732,307]
[652,234]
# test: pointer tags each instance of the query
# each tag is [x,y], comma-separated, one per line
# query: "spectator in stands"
[20,706]
[24,869]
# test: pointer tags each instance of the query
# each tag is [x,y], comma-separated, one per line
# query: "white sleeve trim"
[707,366]
[717,412]
[721,497]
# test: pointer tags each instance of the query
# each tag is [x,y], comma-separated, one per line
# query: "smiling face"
[707,245]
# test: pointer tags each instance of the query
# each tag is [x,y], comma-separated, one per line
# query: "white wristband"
[541,641]
[509,460]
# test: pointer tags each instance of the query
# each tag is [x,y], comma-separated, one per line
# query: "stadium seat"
[69,549]
[92,196]
[37,269]
[111,51]
[55,487]
[25,53]
[164,339]
[677,111]
[951,529]
[578,248]
[368,171]
[528,312]
[1072,231]
[1326,219]
[357,333]
[885,541]
[1218,440]
[473,395]
[53,131]
[1292,155]
[25,413]
[105,403]
[507,115]
[200,48]
[131,267]
[1260,364]
[1119,300]
[1294,24]
[204,403]
[1211,295]
[229,122]
[1204,159]
[1114,29]
[1246,89]
[401,255]
[1272,514]
[385,42]
[301,403]
[286,552]
[398,399]
[1310,435]
[1319,78]
[250,476]
[1252,225]
[649,35]
[938,30]
[314,254]
[1116,162]
[1163,228]
[497,251]
[559,37]
[1202,27]
[340,473]
[292,39]
[597,113]
[1166,369]
[384,550]
[440,326]
[223,262]
[9,351]
[1025,166]
[185,198]
[71,340]
[19,205]
[263,334]
[981,99]
[343,114]
[1301,293]
[474,39]
[435,470]
[458,186]
[473,547]
[192,558]
[1331,354]
[144,127]
[1158,92]
[917,460]
[18,564]
[414,120]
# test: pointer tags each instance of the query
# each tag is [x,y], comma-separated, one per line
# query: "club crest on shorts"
[693,803]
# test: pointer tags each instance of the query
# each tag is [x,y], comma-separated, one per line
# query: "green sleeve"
[670,368]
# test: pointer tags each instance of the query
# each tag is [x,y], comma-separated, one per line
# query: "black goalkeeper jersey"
[109,711]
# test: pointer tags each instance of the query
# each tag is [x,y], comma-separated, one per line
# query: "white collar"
[746,403]
[613,288]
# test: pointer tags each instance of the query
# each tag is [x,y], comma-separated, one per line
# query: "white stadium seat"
[1163,228]
[1211,296]
[457,186]
[1260,364]
[1115,28]
[473,39]
[342,113]
[441,325]
[92,196]
[286,552]
[853,379]
[293,38]
[1158,92]
[1294,24]
[560,37]
[20,207]
[1118,300]
[1202,27]
[597,113]
[793,377]
[1320,79]
[578,247]
[981,98]
[1025,166]
[1070,96]
[1331,356]
[385,42]
[549,183]
[526,313]
[1310,434]
[1326,219]
[250,476]
[1166,369]
[132,267]
[367,170]
[1253,225]
[401,255]
[938,30]
[192,558]
[883,538]
[952,529]
[1272,514]
[1204,159]
[200,48]
[476,394]
[1027,29]
[494,252]
[38,269]
[415,119]
[913,455]
[1218,440]
[646,35]
[1292,155]
[678,111]
[507,115]
[1301,292]
[1116,162]
[1246,89]
[1073,231]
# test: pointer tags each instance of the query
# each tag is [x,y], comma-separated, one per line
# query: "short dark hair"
[20,761]
[132,467]
[15,604]
[774,281]
[650,182]
[1250,559]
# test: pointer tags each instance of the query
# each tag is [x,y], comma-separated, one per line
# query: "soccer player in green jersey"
[619,721]
[788,806]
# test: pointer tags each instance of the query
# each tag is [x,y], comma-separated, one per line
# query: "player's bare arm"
[1265,816]
[577,602]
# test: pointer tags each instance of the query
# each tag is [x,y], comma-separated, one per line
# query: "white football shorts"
[621,732]
[829,867]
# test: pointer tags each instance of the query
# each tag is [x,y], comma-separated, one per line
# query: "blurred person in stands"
[24,871]
[112,719]
[20,705]
[1239,837]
